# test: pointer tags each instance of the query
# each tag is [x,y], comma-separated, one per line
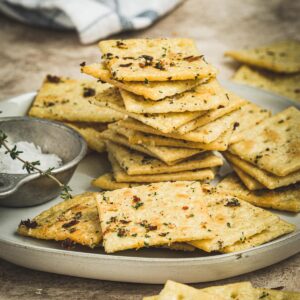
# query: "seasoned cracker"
[131,218]
[75,220]
[251,183]
[91,134]
[65,99]
[274,231]
[149,90]
[235,102]
[163,122]
[203,97]
[281,57]
[158,59]
[273,145]
[265,178]
[232,220]
[286,198]
[135,163]
[282,84]
[121,176]
[107,182]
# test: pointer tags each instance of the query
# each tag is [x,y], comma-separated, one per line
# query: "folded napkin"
[93,19]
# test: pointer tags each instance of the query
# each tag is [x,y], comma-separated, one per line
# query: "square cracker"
[149,90]
[287,198]
[135,130]
[231,220]
[274,231]
[65,99]
[282,84]
[273,145]
[91,132]
[155,60]
[267,179]
[121,176]
[169,155]
[251,183]
[75,219]
[203,97]
[164,122]
[142,138]
[107,182]
[131,218]
[135,163]
[281,57]
[234,103]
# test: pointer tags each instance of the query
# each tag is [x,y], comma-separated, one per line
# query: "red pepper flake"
[185,207]
[136,199]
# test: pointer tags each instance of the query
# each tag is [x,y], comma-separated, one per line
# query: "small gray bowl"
[21,190]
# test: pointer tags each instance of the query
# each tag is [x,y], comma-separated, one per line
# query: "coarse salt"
[30,152]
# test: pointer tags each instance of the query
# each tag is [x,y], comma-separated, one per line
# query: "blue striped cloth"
[93,19]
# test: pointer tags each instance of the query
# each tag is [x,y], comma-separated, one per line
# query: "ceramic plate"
[145,265]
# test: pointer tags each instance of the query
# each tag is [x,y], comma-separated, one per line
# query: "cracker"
[169,155]
[142,138]
[273,145]
[174,290]
[235,102]
[232,220]
[265,178]
[135,163]
[281,57]
[274,231]
[131,218]
[91,134]
[282,84]
[63,99]
[287,198]
[203,97]
[251,183]
[268,294]
[122,176]
[158,59]
[251,116]
[150,90]
[75,220]
[164,122]
[107,182]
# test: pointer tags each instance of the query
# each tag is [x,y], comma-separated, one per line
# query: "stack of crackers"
[181,215]
[274,67]
[66,100]
[267,161]
[175,112]
[241,290]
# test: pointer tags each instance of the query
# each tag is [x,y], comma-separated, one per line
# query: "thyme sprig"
[31,167]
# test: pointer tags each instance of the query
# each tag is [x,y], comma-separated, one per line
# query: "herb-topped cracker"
[164,122]
[274,144]
[231,219]
[281,57]
[155,60]
[251,183]
[203,97]
[121,176]
[148,89]
[267,179]
[72,221]
[152,215]
[65,99]
[135,163]
[286,85]
[286,198]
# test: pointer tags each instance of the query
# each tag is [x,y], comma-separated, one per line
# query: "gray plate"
[146,265]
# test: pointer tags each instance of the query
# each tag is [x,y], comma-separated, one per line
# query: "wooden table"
[27,54]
